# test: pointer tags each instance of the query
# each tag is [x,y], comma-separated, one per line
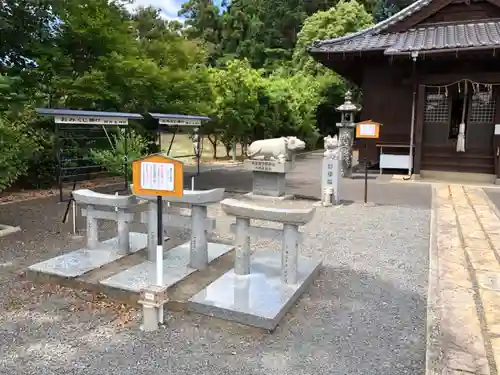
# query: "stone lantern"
[346,133]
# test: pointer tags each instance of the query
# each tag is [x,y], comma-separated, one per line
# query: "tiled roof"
[427,38]
[450,36]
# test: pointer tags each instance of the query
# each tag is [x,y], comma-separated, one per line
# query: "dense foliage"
[244,65]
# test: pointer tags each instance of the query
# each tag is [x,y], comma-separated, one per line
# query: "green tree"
[203,22]
[236,102]
[164,42]
[18,143]
[386,8]
[25,25]
[344,18]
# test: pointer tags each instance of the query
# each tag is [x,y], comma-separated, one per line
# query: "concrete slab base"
[268,197]
[259,299]
[7,229]
[81,261]
[175,268]
[460,177]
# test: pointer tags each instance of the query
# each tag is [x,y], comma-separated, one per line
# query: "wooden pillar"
[496,138]
[419,128]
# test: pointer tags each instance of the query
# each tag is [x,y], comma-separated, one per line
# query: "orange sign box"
[368,129]
[158,175]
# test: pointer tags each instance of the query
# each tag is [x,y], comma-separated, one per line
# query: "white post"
[159,276]
[159,252]
[159,265]
[192,183]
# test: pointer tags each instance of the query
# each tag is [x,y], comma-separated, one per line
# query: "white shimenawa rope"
[461,129]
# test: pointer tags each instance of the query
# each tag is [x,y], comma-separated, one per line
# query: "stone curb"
[8,229]
[491,205]
[433,353]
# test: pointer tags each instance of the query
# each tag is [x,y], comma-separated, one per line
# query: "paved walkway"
[464,285]
[305,181]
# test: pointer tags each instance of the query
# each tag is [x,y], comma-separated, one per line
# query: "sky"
[169,8]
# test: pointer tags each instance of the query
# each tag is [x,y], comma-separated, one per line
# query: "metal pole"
[192,183]
[159,252]
[74,216]
[125,157]
[198,153]
[59,166]
[366,172]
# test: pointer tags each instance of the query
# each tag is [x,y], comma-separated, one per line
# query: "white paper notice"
[157,176]
[367,130]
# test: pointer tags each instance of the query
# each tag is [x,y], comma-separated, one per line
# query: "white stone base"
[259,299]
[7,229]
[81,261]
[175,268]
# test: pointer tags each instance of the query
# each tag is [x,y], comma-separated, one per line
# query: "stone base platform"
[81,261]
[268,197]
[259,299]
[175,269]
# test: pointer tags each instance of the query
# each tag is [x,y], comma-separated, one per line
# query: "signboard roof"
[369,122]
[73,112]
[158,156]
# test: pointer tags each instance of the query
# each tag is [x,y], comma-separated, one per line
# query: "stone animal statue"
[331,146]
[280,149]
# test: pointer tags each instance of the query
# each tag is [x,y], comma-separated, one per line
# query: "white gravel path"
[364,315]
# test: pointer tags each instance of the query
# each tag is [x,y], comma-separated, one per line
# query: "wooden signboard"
[368,129]
[158,175]
[91,120]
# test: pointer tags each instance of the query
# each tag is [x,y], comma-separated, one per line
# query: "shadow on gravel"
[350,322]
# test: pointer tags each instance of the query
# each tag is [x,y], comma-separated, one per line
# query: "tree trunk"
[213,141]
[234,150]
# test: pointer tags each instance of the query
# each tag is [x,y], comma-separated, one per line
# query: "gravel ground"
[364,315]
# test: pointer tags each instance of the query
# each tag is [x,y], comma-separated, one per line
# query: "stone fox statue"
[275,148]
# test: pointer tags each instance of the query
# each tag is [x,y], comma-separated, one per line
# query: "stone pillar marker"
[152,299]
[346,133]
[92,228]
[199,237]
[242,251]
[270,160]
[123,224]
[330,172]
[289,253]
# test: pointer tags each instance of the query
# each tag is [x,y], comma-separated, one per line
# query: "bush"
[126,148]
[17,146]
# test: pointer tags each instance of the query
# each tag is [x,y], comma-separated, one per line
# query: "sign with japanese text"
[368,129]
[330,173]
[91,120]
[179,122]
[158,175]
